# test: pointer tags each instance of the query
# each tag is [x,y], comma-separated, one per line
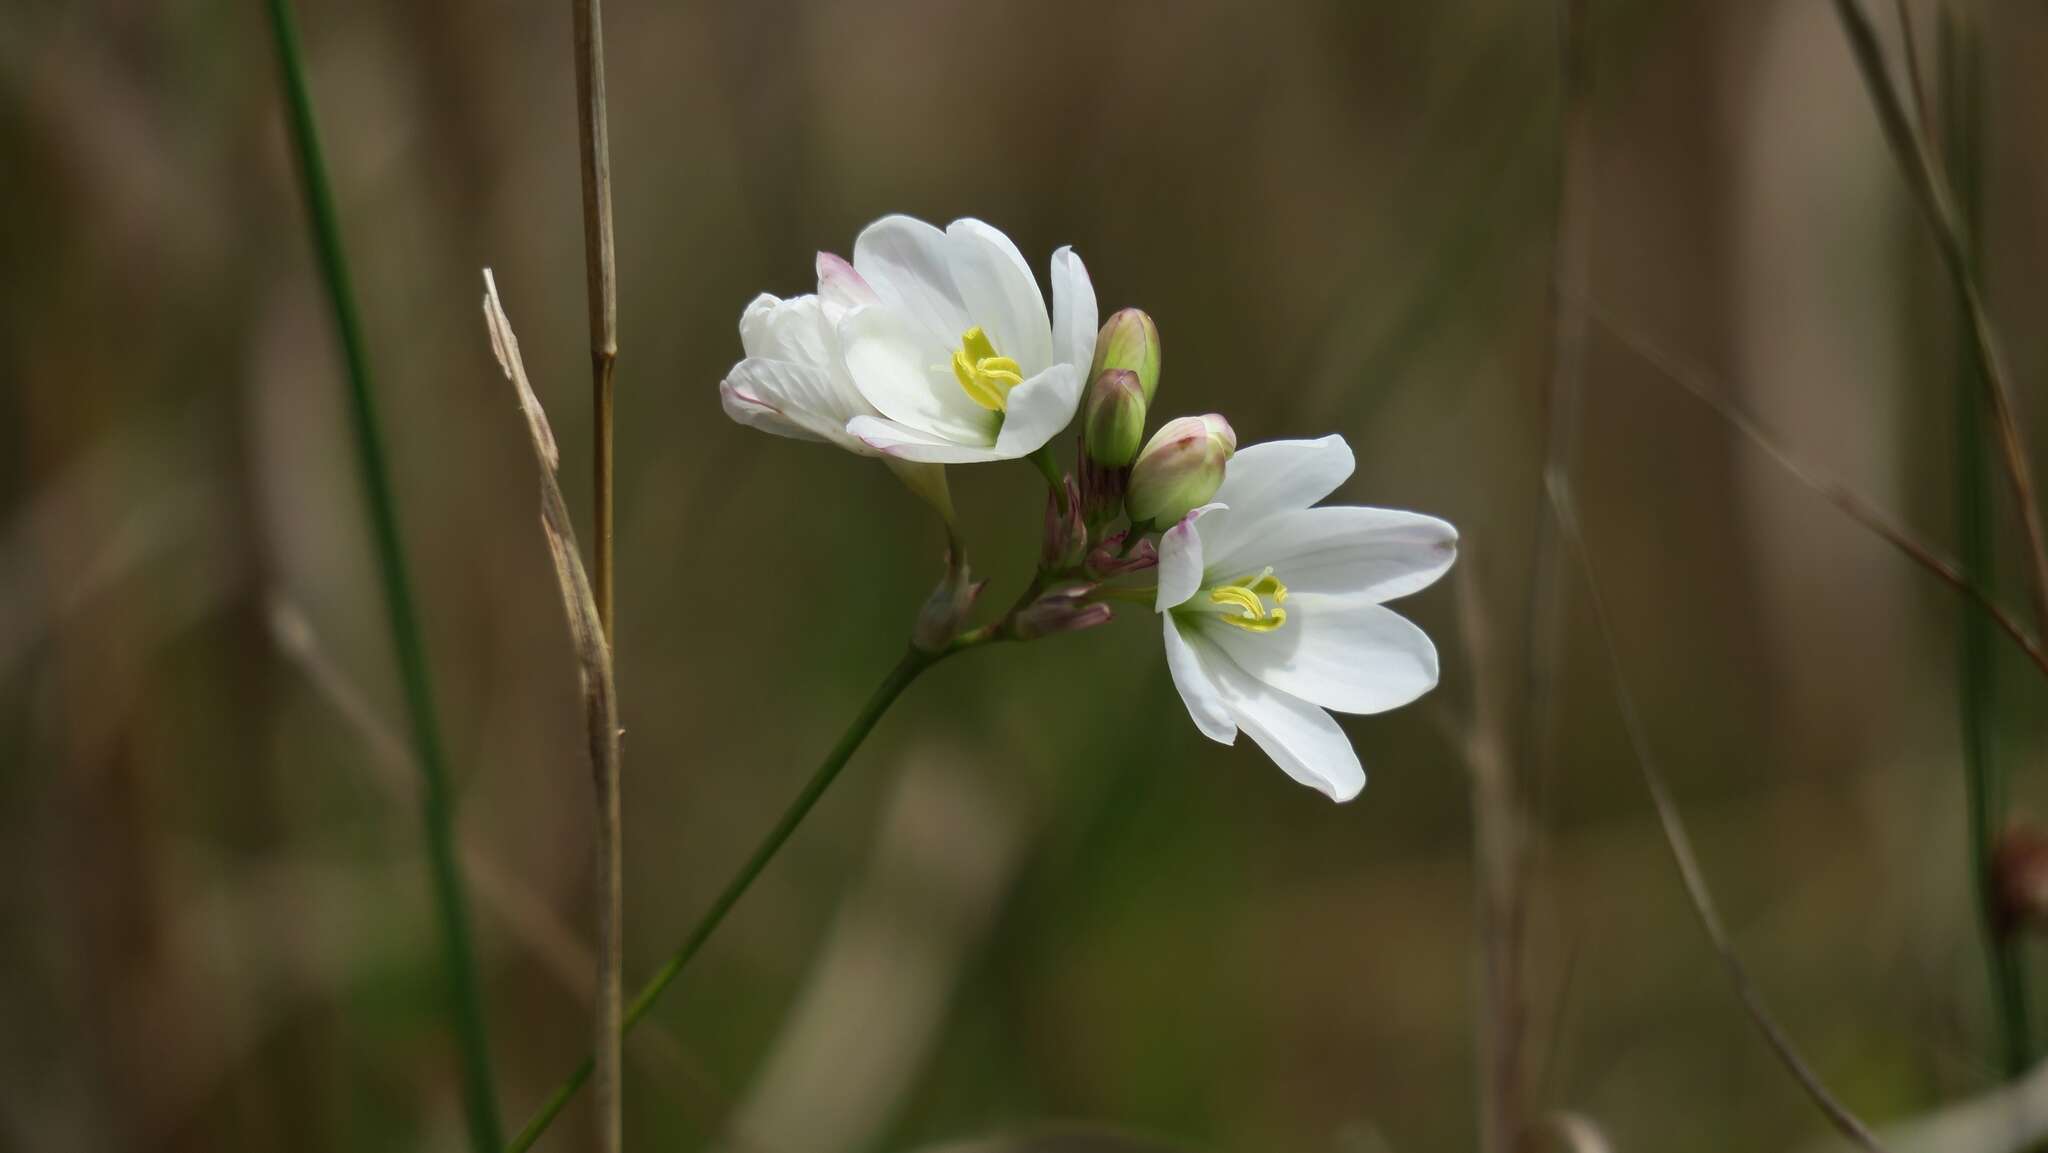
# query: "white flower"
[1273,609]
[954,349]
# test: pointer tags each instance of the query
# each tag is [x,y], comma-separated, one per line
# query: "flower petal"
[1001,296]
[840,285]
[1180,559]
[1037,410]
[896,367]
[1301,738]
[786,399]
[1197,691]
[906,443]
[1346,654]
[909,264]
[1376,554]
[1075,317]
[1283,475]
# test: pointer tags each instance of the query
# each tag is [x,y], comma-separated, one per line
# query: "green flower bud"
[1180,469]
[1113,418]
[1129,340]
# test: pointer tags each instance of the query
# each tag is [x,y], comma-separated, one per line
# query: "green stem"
[1984,777]
[913,663]
[1049,468]
[479,1097]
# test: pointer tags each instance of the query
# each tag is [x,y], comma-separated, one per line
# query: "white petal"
[1345,654]
[839,285]
[906,443]
[1180,559]
[792,330]
[787,399]
[1301,738]
[908,379]
[1074,315]
[1283,475]
[1376,554]
[1037,410]
[1197,692]
[909,265]
[997,287]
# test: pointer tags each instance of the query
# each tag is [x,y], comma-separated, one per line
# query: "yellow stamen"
[1243,602]
[985,377]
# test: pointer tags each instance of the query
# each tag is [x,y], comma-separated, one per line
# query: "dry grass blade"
[1937,202]
[601,716]
[1847,1123]
[1697,382]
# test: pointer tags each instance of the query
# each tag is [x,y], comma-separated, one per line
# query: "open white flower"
[1273,609]
[953,347]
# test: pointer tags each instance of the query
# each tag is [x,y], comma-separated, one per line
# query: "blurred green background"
[1038,893]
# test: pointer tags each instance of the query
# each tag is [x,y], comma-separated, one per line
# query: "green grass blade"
[480,1098]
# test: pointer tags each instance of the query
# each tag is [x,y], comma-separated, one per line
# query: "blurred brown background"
[1038,893]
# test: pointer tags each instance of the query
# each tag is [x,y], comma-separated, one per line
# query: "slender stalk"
[601,287]
[1500,802]
[1565,507]
[479,1096]
[601,291]
[1983,776]
[914,662]
[1703,388]
[1937,202]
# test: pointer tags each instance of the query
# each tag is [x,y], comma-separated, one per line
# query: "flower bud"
[1066,534]
[1129,340]
[946,609]
[1067,611]
[1113,417]
[1181,468]
[2019,873]
[1111,559]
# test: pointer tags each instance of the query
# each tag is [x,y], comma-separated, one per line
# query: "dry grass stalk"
[601,716]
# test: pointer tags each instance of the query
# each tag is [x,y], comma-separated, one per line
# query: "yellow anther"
[1243,602]
[985,377]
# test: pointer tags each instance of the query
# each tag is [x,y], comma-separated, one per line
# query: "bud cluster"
[1120,476]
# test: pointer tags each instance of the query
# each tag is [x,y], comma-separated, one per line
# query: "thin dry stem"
[1847,1123]
[1937,202]
[1498,837]
[1700,385]
[601,720]
[601,277]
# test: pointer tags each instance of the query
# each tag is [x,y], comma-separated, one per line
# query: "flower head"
[1273,609]
[950,345]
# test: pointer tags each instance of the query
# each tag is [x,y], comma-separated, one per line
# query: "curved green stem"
[479,1097]
[913,663]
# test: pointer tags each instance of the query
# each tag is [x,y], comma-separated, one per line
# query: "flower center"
[985,377]
[1243,602]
